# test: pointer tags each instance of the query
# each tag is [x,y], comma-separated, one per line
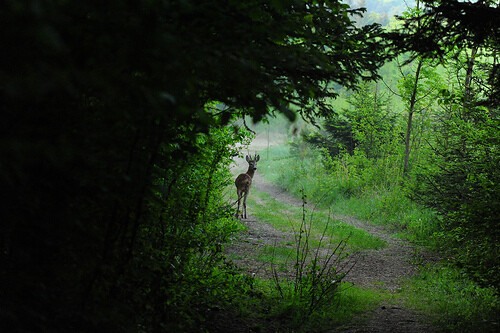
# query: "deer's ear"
[248,159]
[257,158]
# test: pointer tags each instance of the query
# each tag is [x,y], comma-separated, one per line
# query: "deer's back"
[243,181]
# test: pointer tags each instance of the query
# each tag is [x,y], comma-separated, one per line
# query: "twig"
[246,126]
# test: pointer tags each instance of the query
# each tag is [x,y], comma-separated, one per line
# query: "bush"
[461,181]
[313,289]
[457,303]
[180,267]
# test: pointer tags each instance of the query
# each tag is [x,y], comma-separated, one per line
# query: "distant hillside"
[390,7]
[380,11]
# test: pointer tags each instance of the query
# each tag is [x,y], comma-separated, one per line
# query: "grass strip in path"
[288,218]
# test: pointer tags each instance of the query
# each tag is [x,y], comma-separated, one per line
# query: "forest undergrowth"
[299,257]
[441,290]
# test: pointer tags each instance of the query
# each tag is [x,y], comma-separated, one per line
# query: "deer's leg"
[239,199]
[245,204]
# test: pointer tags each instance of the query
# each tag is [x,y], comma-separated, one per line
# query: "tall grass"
[307,270]
[288,218]
[456,303]
[375,191]
[353,185]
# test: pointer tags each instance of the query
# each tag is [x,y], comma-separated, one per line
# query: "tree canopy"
[101,99]
[446,27]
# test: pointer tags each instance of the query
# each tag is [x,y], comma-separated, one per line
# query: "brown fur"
[243,183]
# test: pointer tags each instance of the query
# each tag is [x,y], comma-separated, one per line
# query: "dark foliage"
[444,25]
[100,99]
[335,136]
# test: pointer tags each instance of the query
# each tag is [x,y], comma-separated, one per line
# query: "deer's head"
[252,162]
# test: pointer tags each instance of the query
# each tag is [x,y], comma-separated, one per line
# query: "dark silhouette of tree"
[100,99]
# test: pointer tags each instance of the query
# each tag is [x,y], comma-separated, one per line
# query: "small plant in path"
[314,285]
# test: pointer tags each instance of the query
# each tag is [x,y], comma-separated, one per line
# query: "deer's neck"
[251,172]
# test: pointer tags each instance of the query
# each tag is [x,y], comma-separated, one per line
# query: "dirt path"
[384,268]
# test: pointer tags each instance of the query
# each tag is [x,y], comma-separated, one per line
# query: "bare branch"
[395,93]
[246,126]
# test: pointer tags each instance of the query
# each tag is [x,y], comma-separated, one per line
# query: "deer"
[243,183]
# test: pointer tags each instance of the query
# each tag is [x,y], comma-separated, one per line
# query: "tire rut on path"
[382,268]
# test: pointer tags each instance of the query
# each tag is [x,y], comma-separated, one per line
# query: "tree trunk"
[468,81]
[411,111]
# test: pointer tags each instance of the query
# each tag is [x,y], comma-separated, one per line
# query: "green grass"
[350,301]
[393,209]
[370,195]
[263,308]
[288,218]
[355,300]
[456,303]
[442,292]
[279,254]
[278,162]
